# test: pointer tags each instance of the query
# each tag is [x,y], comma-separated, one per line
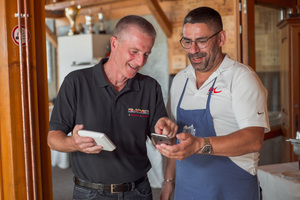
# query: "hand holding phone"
[158,139]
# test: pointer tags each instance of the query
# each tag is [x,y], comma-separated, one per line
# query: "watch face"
[206,150]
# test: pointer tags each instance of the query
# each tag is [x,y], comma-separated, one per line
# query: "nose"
[141,60]
[194,48]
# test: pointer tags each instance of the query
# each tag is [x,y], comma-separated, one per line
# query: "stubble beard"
[210,60]
[203,66]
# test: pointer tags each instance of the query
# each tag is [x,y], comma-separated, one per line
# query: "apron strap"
[209,95]
[179,103]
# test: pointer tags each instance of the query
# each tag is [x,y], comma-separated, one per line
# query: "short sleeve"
[64,111]
[250,101]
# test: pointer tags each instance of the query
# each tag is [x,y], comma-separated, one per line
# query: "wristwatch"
[207,148]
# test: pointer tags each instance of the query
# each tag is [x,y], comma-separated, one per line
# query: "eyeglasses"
[201,43]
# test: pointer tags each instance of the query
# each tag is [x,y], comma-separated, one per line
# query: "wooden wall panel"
[290,97]
[12,179]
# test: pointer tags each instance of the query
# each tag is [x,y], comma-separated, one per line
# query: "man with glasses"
[220,107]
[112,98]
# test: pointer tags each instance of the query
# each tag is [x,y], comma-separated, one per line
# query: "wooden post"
[23,102]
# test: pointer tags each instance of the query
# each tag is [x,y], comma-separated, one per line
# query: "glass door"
[267,57]
[267,65]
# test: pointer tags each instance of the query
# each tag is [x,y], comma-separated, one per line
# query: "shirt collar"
[98,74]
[226,64]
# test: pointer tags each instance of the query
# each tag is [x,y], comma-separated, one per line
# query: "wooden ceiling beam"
[62,4]
[51,37]
[54,14]
[56,10]
[160,16]
[277,3]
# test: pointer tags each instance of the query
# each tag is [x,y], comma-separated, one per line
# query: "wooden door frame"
[247,41]
[25,162]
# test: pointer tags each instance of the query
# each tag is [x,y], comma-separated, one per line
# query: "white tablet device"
[100,139]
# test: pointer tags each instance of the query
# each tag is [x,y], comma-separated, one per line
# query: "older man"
[113,98]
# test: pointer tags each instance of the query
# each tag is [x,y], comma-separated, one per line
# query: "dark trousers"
[142,191]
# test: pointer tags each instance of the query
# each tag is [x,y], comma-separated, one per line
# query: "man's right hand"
[84,144]
[59,141]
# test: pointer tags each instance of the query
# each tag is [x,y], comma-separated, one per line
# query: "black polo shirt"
[127,117]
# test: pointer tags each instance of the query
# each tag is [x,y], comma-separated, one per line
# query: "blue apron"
[209,177]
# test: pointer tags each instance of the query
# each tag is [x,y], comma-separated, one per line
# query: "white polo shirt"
[238,100]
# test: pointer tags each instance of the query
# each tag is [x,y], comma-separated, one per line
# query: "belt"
[112,188]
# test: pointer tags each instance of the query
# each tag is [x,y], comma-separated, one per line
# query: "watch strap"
[206,141]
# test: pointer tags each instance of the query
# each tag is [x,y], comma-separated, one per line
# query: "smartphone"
[158,139]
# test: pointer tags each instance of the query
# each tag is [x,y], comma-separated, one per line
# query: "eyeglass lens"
[201,43]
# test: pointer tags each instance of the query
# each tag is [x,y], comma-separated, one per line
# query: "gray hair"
[133,20]
[205,15]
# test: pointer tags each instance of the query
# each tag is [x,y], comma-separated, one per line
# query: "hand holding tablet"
[99,138]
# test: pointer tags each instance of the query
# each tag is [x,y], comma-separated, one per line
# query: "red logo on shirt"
[138,112]
[215,90]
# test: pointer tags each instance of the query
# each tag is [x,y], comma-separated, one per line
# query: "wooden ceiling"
[55,5]
[55,9]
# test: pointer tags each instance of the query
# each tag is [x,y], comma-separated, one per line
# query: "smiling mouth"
[133,66]
[197,59]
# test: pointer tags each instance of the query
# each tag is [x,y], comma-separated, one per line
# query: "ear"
[113,43]
[222,38]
